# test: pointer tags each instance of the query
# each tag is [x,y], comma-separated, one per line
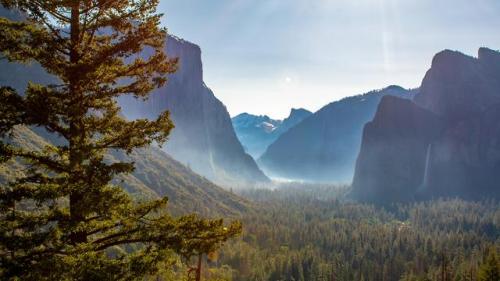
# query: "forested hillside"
[156,175]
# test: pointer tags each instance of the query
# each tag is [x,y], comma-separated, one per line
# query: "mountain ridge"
[257,132]
[323,147]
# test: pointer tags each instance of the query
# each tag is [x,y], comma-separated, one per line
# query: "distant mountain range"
[257,132]
[444,143]
[323,147]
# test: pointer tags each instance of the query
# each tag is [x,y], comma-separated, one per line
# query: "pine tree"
[490,269]
[64,219]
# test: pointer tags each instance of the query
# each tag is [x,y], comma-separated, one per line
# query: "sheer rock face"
[463,158]
[323,147]
[392,159]
[458,86]
[203,138]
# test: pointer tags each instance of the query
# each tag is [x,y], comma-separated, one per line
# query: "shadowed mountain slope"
[203,138]
[458,153]
[324,146]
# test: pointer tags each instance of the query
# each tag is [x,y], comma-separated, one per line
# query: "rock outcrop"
[393,155]
[203,138]
[458,152]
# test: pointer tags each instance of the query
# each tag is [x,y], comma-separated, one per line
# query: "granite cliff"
[458,151]
[203,138]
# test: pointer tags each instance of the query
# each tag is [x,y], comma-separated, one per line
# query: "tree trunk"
[198,269]
[75,140]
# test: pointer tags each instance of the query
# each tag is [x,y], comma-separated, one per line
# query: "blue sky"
[267,56]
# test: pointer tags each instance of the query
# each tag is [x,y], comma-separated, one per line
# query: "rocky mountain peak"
[203,138]
[447,58]
[490,59]
[488,55]
[190,66]
[458,85]
[444,143]
[298,113]
[257,132]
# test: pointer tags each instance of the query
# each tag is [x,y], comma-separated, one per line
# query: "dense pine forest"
[307,232]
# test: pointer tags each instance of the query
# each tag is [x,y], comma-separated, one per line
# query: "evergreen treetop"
[490,269]
[64,219]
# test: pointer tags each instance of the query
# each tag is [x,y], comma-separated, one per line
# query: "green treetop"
[64,219]
[490,269]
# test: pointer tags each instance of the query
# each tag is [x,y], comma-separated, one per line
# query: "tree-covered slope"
[156,175]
